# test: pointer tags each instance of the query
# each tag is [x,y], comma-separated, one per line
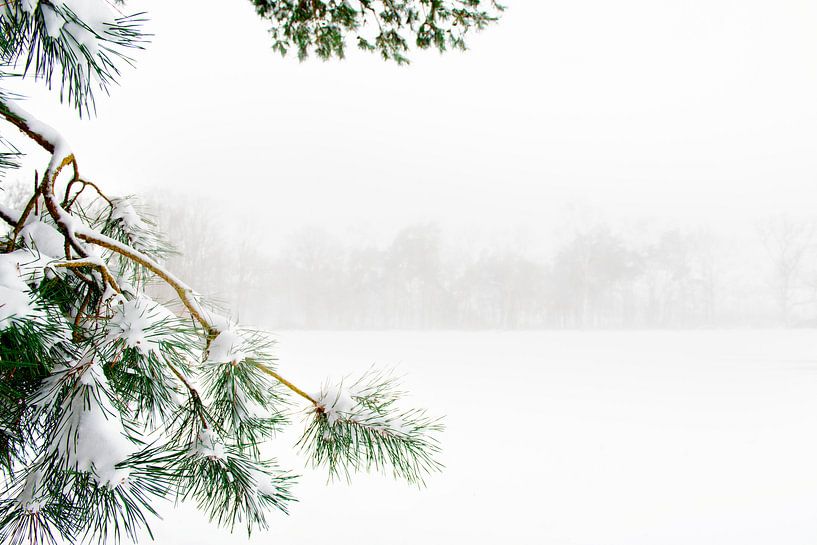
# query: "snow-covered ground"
[570,438]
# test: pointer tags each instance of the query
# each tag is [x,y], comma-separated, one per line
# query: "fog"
[588,164]
[589,272]
[701,113]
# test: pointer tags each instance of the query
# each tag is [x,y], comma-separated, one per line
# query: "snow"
[29,6]
[131,223]
[17,269]
[338,404]
[264,483]
[27,498]
[222,323]
[96,16]
[124,211]
[226,348]
[49,133]
[569,438]
[132,321]
[53,20]
[91,438]
[209,445]
[42,237]
[15,304]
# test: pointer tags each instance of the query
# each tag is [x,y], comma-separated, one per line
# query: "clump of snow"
[132,321]
[33,507]
[227,347]
[91,437]
[218,321]
[263,482]
[14,304]
[29,498]
[26,266]
[338,404]
[124,211]
[344,404]
[17,270]
[29,6]
[131,223]
[209,445]
[96,14]
[53,20]
[43,238]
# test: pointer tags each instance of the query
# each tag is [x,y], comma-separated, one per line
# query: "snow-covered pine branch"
[184,402]
[111,400]
[364,426]
[81,42]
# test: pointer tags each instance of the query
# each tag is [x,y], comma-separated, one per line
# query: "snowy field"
[570,438]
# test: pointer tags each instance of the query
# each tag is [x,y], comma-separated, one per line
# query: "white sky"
[702,110]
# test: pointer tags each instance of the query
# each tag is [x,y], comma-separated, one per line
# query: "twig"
[29,207]
[285,382]
[101,267]
[194,393]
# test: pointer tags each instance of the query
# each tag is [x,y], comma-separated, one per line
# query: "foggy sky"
[699,110]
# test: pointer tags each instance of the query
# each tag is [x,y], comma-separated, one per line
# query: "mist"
[593,271]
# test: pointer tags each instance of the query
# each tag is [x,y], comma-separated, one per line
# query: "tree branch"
[48,138]
[101,267]
[285,382]
[185,293]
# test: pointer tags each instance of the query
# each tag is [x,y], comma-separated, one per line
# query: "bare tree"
[786,242]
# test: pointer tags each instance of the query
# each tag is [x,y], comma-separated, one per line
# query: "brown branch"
[285,382]
[24,127]
[5,215]
[85,302]
[106,273]
[67,205]
[71,204]
[99,191]
[184,292]
[17,117]
[29,207]
[68,187]
[54,209]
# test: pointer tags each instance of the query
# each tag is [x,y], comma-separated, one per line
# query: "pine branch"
[87,359]
[363,427]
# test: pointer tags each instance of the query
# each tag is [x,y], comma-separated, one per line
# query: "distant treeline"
[595,277]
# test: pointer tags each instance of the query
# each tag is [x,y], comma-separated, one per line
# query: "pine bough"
[111,401]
